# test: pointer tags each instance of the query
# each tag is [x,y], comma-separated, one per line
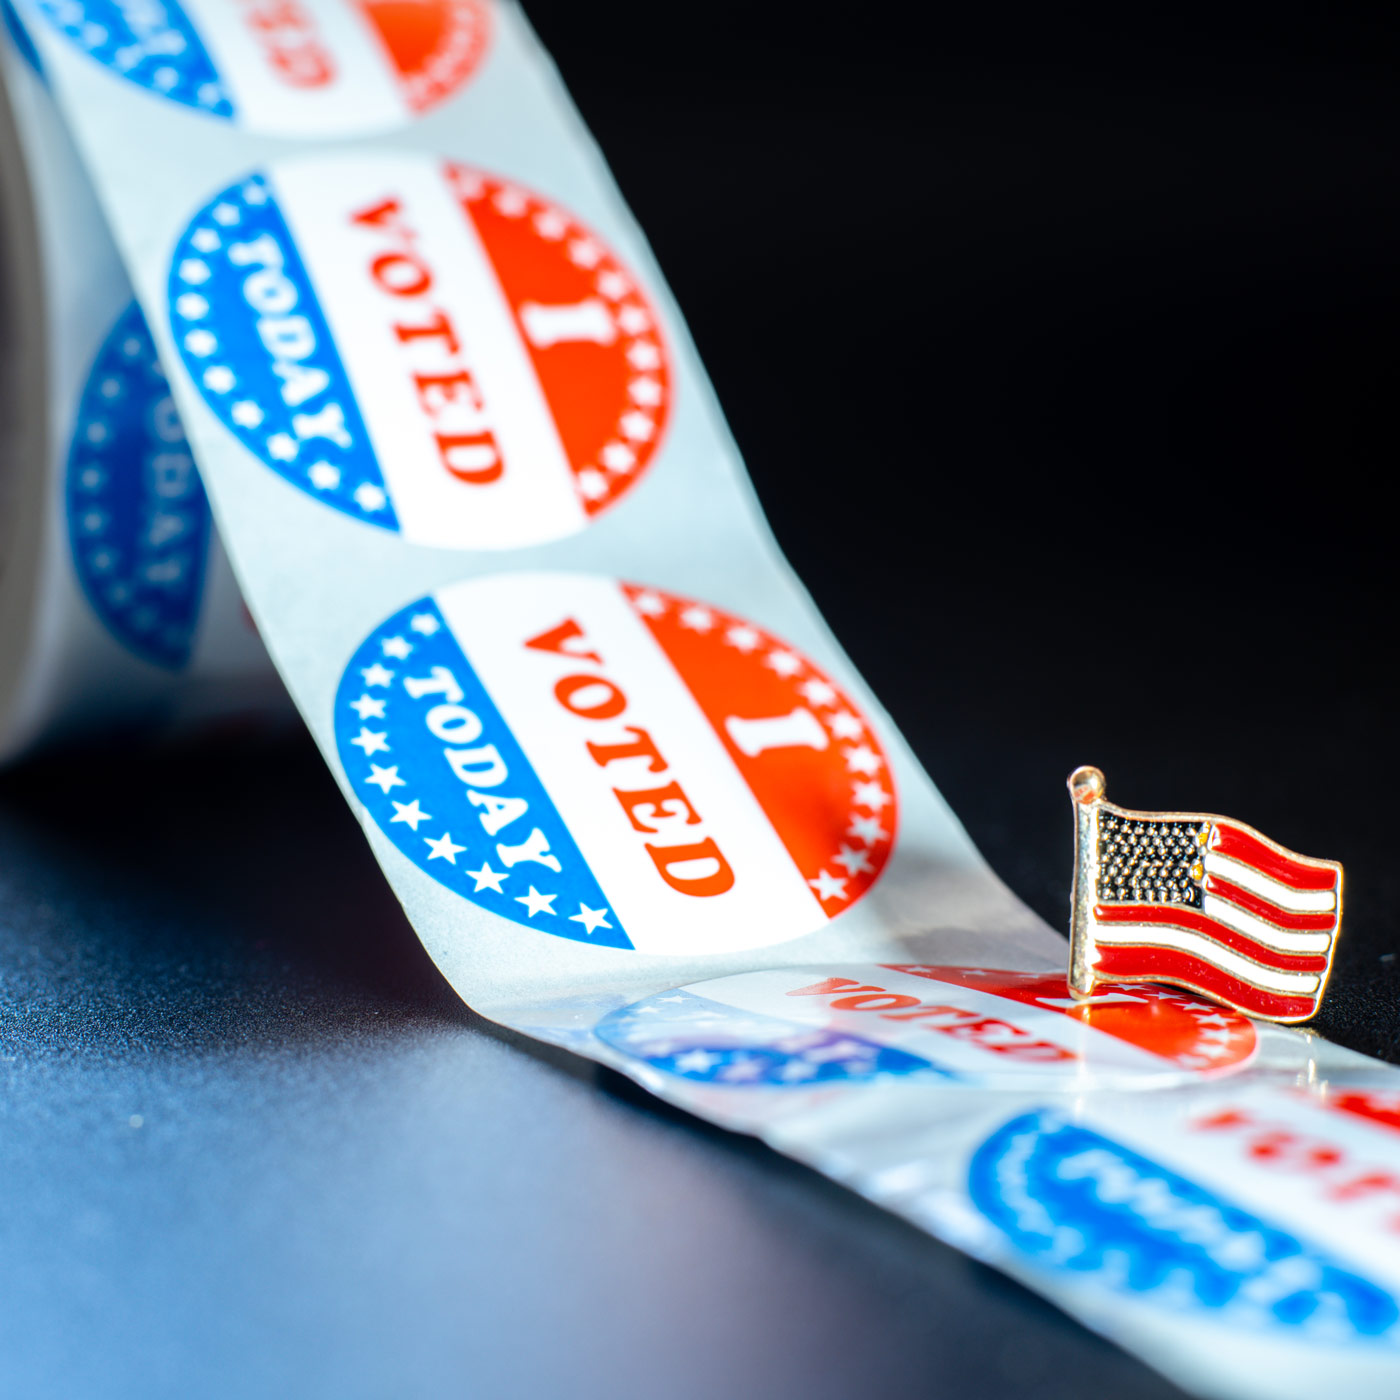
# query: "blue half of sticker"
[709,1043]
[251,333]
[138,520]
[1071,1198]
[151,43]
[437,767]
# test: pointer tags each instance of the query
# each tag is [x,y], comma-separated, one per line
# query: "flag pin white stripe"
[1260,931]
[1274,891]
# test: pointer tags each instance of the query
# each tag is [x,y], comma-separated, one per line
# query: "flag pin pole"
[1086,791]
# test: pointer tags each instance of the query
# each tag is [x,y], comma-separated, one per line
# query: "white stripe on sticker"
[768,894]
[769,993]
[533,498]
[359,91]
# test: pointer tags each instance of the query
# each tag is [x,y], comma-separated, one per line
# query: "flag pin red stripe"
[1145,908]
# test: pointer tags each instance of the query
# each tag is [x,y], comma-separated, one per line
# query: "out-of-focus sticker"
[423,347]
[616,765]
[1321,1161]
[1007,1029]
[708,1042]
[1382,1109]
[138,520]
[286,67]
[1069,1198]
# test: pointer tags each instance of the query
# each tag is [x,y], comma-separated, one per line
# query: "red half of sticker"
[807,753]
[433,45]
[591,334]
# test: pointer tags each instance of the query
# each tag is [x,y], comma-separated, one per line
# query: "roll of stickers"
[117,603]
[480,500]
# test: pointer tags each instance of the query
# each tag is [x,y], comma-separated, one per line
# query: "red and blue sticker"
[285,67]
[612,764]
[1077,1200]
[799,1026]
[707,1041]
[422,347]
[138,520]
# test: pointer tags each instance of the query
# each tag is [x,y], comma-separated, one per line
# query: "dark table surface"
[253,1145]
[1009,311]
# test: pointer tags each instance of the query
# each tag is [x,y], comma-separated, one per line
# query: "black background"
[1060,343]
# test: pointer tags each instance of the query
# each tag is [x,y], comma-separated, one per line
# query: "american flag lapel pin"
[1200,901]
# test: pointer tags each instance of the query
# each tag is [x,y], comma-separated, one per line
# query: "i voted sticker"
[981,1025]
[285,67]
[425,348]
[710,1041]
[1070,1198]
[612,764]
[138,520]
